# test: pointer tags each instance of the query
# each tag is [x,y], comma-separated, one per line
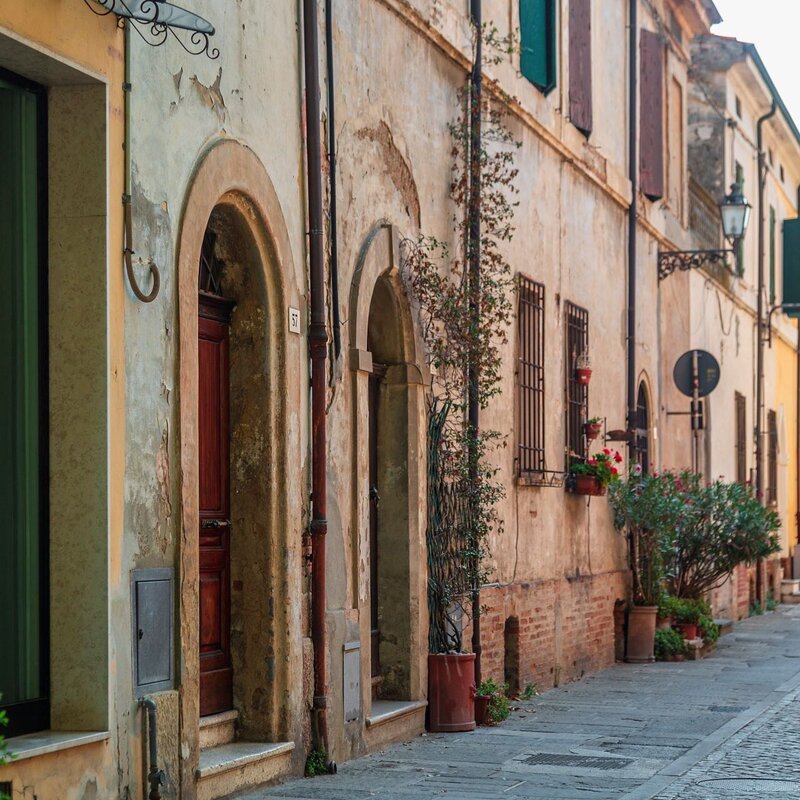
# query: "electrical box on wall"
[152,615]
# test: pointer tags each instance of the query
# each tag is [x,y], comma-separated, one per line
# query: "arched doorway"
[388,446]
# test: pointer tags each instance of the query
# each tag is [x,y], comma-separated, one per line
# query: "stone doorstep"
[790,599]
[218,729]
[790,591]
[725,626]
[227,768]
[384,711]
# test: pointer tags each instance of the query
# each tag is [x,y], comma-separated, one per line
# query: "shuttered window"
[651,115]
[741,438]
[577,394]
[580,64]
[772,458]
[643,429]
[530,377]
[537,23]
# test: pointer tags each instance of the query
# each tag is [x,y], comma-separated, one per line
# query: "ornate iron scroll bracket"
[155,22]
[684,260]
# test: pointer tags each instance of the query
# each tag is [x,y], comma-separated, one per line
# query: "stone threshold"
[384,711]
[32,745]
[225,757]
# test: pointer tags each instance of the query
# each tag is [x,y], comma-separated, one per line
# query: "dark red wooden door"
[374,393]
[216,672]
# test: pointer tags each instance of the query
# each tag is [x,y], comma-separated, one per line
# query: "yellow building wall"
[786,398]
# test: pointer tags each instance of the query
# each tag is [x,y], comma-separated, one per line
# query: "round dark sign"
[707,373]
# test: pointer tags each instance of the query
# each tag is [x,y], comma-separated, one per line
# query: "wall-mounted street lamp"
[734,212]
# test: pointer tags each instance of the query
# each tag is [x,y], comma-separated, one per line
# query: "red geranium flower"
[618,458]
[614,471]
[606,451]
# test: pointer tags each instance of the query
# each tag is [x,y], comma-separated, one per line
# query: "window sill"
[32,745]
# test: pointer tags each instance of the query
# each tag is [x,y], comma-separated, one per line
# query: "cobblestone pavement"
[630,732]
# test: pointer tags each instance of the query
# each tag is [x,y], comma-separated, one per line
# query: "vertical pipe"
[329,68]
[633,174]
[155,776]
[759,410]
[317,343]
[476,92]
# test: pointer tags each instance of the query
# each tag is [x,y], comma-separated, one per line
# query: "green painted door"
[22,543]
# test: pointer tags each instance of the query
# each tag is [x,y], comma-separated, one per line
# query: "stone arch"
[231,190]
[384,350]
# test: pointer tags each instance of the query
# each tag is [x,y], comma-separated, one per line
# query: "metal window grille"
[741,438]
[772,458]
[530,377]
[577,394]
[643,430]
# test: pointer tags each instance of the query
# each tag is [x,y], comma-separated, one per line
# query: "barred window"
[643,429]
[530,377]
[577,394]
[772,458]
[741,438]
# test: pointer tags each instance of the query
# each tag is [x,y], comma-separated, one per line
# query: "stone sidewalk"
[724,727]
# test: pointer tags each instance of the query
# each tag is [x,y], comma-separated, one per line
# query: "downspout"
[337,339]
[758,426]
[633,174]
[317,344]
[155,777]
[476,93]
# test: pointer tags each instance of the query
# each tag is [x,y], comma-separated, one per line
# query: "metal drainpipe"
[337,339]
[633,174]
[155,777]
[758,426]
[317,344]
[476,93]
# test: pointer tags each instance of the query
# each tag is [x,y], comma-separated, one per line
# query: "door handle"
[215,523]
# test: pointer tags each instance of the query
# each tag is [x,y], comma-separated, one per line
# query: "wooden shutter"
[537,24]
[651,115]
[791,265]
[741,438]
[580,64]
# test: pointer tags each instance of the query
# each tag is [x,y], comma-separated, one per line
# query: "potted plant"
[583,368]
[687,618]
[669,645]
[592,428]
[667,608]
[592,477]
[491,702]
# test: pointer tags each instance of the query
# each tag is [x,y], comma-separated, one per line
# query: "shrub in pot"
[491,703]
[669,645]
[592,428]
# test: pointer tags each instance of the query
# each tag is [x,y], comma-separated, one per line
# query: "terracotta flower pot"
[592,430]
[482,709]
[688,630]
[664,622]
[583,375]
[451,692]
[589,485]
[641,634]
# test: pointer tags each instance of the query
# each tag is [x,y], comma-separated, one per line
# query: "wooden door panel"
[374,499]
[216,672]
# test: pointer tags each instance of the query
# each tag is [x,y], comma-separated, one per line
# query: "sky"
[773,26]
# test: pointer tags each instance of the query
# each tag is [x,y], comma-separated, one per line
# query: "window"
[772,458]
[738,103]
[537,23]
[771,256]
[580,65]
[651,116]
[741,438]
[24,666]
[577,394]
[530,377]
[643,429]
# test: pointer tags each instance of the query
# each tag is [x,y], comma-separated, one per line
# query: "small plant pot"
[641,634]
[583,375]
[588,485]
[592,430]
[664,622]
[679,657]
[482,702]
[688,630]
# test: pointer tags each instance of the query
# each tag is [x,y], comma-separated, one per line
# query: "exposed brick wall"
[566,627]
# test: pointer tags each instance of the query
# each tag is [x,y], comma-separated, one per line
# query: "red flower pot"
[592,430]
[583,375]
[641,634]
[589,485]
[482,709]
[688,630]
[451,692]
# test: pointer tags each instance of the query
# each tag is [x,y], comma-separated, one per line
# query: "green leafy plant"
[604,466]
[709,629]
[594,420]
[317,764]
[668,642]
[499,704]
[5,754]
[771,604]
[529,692]
[756,609]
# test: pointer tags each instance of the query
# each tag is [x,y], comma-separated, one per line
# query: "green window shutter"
[791,264]
[537,23]
[771,256]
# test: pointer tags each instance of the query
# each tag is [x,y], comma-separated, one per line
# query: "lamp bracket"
[684,260]
[766,330]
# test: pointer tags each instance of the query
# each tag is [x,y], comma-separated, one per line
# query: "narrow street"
[724,727]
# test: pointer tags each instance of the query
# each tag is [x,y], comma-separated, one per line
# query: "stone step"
[218,729]
[790,586]
[725,626]
[229,768]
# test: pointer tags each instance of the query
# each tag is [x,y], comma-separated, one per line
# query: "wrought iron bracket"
[766,330]
[684,260]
